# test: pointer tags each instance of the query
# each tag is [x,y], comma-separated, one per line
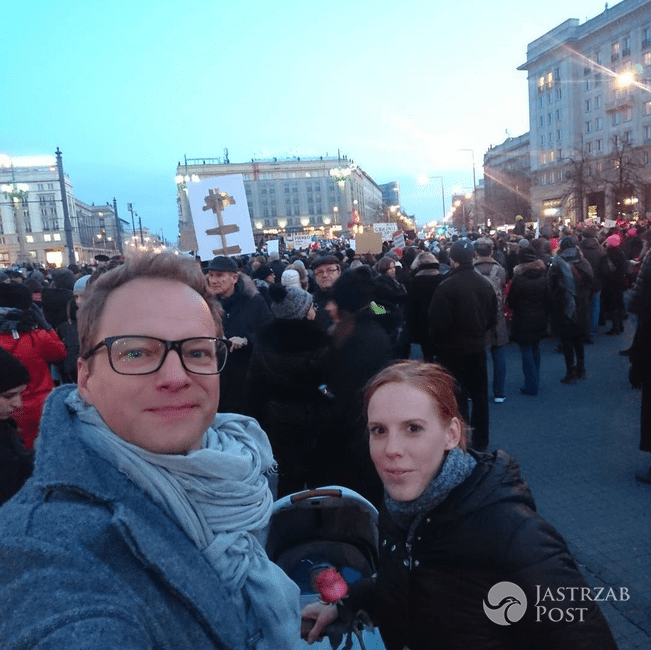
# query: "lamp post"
[67,225]
[474,184]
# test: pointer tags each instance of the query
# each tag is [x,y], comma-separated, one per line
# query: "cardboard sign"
[368,242]
[220,215]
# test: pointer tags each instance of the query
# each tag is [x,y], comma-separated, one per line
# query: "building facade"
[507,182]
[324,196]
[590,116]
[32,225]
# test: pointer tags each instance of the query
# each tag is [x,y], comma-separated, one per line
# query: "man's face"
[326,275]
[222,283]
[168,411]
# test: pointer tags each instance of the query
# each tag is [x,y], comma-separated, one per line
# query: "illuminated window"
[47,237]
[614,51]
[646,58]
[57,236]
[550,80]
[30,239]
[541,84]
[647,108]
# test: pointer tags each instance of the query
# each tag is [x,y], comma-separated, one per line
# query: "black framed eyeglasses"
[144,355]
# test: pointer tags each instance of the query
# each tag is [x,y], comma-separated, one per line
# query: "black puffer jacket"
[287,367]
[485,532]
[529,299]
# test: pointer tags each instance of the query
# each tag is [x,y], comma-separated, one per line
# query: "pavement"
[577,446]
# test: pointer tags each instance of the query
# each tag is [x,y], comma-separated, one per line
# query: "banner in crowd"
[220,215]
[368,242]
[386,230]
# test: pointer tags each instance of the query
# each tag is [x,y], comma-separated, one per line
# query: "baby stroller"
[326,527]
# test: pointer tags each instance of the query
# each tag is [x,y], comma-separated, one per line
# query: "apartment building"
[590,116]
[32,225]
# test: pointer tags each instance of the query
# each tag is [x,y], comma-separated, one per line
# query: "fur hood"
[528,266]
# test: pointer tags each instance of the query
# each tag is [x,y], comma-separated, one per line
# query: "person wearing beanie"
[284,387]
[462,312]
[25,334]
[498,337]
[291,278]
[528,299]
[55,298]
[360,347]
[16,463]
[615,283]
[246,312]
[570,281]
[595,253]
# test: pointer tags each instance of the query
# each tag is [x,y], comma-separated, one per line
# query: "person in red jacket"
[25,334]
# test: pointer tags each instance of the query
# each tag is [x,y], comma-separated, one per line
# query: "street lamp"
[474,182]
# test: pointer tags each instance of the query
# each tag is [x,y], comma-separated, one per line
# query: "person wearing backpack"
[498,336]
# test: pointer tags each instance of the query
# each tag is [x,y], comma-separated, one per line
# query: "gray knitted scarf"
[457,467]
[219,496]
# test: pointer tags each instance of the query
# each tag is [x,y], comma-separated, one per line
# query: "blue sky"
[126,88]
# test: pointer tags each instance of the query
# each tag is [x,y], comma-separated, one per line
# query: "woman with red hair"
[463,553]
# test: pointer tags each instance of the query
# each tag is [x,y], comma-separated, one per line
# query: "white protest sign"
[386,230]
[399,240]
[221,216]
[610,223]
[302,241]
[272,246]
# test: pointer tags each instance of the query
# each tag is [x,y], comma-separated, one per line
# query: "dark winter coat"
[529,300]
[499,334]
[420,292]
[579,322]
[245,314]
[463,310]
[360,348]
[287,368]
[16,462]
[594,252]
[614,283]
[431,594]
[392,295]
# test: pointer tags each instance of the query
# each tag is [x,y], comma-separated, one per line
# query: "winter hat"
[13,373]
[462,252]
[589,231]
[324,259]
[291,278]
[523,243]
[614,240]
[80,285]
[63,279]
[289,302]
[15,295]
[567,242]
[631,232]
[354,289]
[483,246]
[223,263]
[526,255]
[262,272]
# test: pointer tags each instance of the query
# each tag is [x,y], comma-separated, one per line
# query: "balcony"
[622,101]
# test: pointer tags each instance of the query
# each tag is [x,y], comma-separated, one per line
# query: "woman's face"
[408,439]
[11,401]
[391,271]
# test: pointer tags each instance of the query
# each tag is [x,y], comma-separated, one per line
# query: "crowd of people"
[292,367]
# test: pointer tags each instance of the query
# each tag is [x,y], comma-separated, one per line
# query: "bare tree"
[621,174]
[580,181]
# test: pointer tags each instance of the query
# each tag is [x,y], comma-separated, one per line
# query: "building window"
[541,84]
[616,118]
[559,135]
[647,132]
[597,79]
[549,118]
[542,140]
[541,101]
[628,114]
[559,114]
[549,138]
[588,127]
[550,80]
[542,120]
[47,237]
[598,145]
[588,147]
[557,74]
[646,37]
[626,49]
[647,108]
[597,101]
[646,58]
[599,124]
[628,137]
[614,51]
[588,84]
[559,94]
[588,105]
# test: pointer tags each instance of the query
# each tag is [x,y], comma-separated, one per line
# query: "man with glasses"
[143,525]
[326,269]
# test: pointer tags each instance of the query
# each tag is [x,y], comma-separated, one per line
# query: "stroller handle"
[318,492]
